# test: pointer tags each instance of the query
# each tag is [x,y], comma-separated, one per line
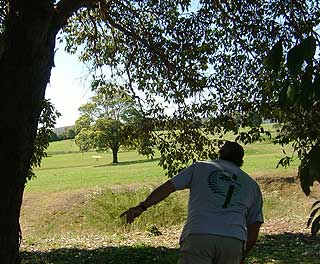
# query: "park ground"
[71,211]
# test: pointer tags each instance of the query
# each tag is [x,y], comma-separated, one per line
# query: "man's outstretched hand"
[132,213]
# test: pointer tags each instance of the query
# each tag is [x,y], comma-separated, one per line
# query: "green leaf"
[274,57]
[291,93]
[306,98]
[305,179]
[316,85]
[309,46]
[309,170]
[282,100]
[304,51]
[314,169]
[295,58]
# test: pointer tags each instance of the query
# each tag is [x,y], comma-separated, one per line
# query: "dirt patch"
[37,206]
[277,180]
[280,226]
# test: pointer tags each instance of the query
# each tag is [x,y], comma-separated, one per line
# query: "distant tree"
[69,133]
[85,139]
[108,135]
[108,122]
[84,121]
[54,137]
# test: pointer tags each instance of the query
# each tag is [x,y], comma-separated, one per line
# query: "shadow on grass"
[131,162]
[114,255]
[102,165]
[288,248]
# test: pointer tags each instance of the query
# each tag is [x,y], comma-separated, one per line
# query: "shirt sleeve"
[255,214]
[183,179]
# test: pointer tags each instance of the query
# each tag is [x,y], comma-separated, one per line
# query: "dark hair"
[233,152]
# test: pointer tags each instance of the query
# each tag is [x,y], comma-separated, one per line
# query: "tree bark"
[115,151]
[26,59]
[25,65]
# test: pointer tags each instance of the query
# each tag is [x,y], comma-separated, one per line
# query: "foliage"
[69,133]
[108,134]
[47,122]
[3,14]
[84,121]
[298,101]
[293,72]
[54,137]
[84,139]
[109,120]
[219,65]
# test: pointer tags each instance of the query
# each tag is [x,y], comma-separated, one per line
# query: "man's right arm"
[156,196]
[179,182]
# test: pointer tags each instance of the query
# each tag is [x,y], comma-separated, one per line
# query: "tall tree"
[28,33]
[108,121]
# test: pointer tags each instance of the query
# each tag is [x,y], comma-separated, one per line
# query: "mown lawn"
[63,170]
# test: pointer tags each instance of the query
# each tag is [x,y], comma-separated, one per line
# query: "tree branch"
[157,51]
[65,8]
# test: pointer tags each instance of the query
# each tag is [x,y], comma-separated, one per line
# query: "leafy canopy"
[218,65]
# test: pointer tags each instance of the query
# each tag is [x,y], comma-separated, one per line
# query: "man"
[224,209]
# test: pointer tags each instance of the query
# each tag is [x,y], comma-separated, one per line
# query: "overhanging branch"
[65,8]
[157,51]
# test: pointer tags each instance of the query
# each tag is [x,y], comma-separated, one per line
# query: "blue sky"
[68,88]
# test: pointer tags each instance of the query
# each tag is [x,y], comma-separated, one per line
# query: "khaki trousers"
[210,249]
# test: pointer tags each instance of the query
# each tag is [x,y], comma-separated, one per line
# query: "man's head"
[233,152]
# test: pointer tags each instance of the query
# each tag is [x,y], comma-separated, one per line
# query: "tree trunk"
[26,59]
[115,151]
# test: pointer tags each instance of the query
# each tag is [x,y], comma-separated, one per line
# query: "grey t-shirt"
[223,199]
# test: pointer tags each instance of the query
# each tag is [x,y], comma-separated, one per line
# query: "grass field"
[66,168]
[71,210]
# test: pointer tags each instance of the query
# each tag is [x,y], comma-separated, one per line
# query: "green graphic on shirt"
[225,184]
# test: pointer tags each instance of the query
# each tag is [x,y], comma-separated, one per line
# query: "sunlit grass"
[76,170]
